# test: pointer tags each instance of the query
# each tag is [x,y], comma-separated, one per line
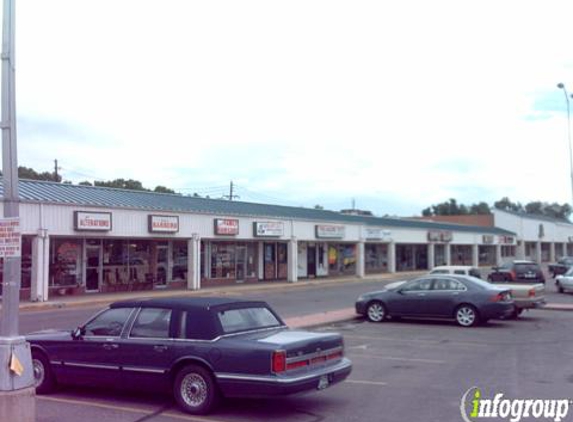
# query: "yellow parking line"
[365,382]
[127,409]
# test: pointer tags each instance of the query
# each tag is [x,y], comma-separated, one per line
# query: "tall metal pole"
[562,87]
[11,280]
[17,394]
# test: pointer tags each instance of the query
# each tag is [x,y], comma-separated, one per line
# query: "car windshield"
[527,267]
[569,272]
[247,319]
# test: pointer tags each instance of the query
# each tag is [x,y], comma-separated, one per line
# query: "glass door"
[93,271]
[241,256]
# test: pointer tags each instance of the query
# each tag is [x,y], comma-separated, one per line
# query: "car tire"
[516,313]
[195,390]
[44,379]
[376,311]
[466,316]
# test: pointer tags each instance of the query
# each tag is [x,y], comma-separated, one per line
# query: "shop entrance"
[311,261]
[161,269]
[93,273]
[241,257]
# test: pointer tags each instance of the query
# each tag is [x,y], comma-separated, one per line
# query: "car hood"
[49,335]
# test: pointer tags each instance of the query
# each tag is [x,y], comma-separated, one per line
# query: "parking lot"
[406,370]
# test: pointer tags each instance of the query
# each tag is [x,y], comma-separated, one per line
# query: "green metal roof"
[76,195]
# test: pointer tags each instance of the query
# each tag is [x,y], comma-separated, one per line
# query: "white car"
[564,282]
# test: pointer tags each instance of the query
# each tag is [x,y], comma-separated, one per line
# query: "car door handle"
[110,346]
[160,348]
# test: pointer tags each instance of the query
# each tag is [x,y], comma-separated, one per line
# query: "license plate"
[323,382]
[529,275]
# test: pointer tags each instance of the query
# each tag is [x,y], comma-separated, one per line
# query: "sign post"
[17,393]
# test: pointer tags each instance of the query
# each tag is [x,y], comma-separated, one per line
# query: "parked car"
[561,266]
[564,282]
[467,300]
[517,271]
[525,295]
[201,349]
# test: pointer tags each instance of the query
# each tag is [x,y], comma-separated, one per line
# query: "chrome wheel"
[376,312]
[39,372]
[466,316]
[194,390]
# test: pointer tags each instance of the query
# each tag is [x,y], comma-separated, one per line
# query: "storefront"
[230,261]
[461,254]
[341,259]
[411,257]
[487,254]
[312,259]
[375,258]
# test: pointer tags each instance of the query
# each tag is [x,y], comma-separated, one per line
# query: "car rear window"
[246,319]
[527,267]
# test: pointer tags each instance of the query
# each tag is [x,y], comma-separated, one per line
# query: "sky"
[393,105]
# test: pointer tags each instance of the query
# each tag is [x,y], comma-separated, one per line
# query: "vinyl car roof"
[197,303]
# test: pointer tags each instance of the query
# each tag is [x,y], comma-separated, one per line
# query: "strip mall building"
[83,240]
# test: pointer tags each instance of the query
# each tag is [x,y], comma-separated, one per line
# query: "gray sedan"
[467,300]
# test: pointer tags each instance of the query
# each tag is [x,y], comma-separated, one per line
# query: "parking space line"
[420,360]
[381,383]
[430,342]
[126,409]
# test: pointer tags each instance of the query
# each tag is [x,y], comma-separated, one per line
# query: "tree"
[318,207]
[85,183]
[31,174]
[506,205]
[122,184]
[163,189]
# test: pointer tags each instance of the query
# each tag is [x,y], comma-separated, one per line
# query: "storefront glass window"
[461,255]
[439,255]
[251,260]
[222,260]
[115,260]
[139,262]
[486,255]
[179,270]
[65,262]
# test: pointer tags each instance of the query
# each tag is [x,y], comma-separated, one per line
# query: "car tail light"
[278,361]
[501,297]
[531,293]
[512,275]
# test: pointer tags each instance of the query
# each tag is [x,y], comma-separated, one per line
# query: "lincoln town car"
[200,349]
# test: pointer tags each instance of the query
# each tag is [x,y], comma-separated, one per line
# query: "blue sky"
[397,105]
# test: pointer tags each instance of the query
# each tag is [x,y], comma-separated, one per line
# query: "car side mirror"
[78,333]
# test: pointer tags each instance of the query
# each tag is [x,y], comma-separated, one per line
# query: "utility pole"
[231,196]
[56,171]
[17,392]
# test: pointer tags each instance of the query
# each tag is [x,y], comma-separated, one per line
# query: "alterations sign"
[10,238]
[163,224]
[92,221]
[268,229]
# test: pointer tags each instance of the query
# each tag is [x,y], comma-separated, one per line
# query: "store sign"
[377,234]
[268,229]
[92,221]
[327,231]
[440,236]
[163,223]
[488,239]
[506,240]
[10,238]
[226,226]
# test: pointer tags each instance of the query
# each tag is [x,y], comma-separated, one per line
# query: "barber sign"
[92,221]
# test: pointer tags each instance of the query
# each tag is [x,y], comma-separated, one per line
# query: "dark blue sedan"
[201,349]
[467,300]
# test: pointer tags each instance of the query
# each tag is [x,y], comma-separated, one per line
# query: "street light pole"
[17,393]
[562,87]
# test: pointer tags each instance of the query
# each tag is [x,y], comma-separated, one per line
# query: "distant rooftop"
[535,216]
[34,191]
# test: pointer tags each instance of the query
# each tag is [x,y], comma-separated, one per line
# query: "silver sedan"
[564,282]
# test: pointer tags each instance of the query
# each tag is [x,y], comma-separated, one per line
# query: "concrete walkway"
[97,299]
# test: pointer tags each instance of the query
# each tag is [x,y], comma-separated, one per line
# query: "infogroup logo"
[475,407]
